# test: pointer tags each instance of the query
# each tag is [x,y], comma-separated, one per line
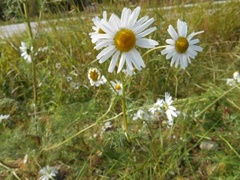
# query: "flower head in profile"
[117,87]
[3,117]
[181,48]
[233,81]
[26,52]
[156,109]
[169,109]
[121,37]
[95,77]
[47,173]
[97,29]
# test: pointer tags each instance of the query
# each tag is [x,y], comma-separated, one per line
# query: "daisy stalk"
[124,110]
[30,34]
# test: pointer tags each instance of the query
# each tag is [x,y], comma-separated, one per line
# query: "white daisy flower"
[236,76]
[181,48]
[157,107]
[26,52]
[95,77]
[117,85]
[121,37]
[47,173]
[3,117]
[233,81]
[169,109]
[97,30]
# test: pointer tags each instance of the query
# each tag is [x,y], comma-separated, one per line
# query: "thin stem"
[34,79]
[124,109]
[125,124]
[153,49]
[26,13]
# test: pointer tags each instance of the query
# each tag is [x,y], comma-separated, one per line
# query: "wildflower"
[58,65]
[233,81]
[95,77]
[169,109]
[236,76]
[117,85]
[141,114]
[97,29]
[26,52]
[2,117]
[47,173]
[181,47]
[106,126]
[120,38]
[69,79]
[157,107]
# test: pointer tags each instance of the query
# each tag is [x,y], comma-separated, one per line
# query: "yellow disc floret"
[118,87]
[94,75]
[181,45]
[125,40]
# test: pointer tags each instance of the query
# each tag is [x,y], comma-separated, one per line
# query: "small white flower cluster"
[233,81]
[47,173]
[73,84]
[3,117]
[159,109]
[106,126]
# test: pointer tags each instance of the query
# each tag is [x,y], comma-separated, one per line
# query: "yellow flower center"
[181,45]
[125,40]
[94,75]
[118,87]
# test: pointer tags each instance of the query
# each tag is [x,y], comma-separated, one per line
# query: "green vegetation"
[61,124]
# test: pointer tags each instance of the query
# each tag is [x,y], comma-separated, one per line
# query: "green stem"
[30,34]
[34,79]
[124,124]
[26,13]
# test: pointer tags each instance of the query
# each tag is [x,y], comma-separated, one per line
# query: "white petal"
[182,28]
[146,32]
[193,34]
[171,42]
[194,41]
[139,22]
[143,26]
[137,58]
[173,33]
[146,43]
[113,61]
[106,53]
[134,16]
[122,62]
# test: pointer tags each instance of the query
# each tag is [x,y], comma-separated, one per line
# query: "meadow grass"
[64,126]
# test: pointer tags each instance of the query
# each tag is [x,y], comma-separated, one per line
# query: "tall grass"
[202,144]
